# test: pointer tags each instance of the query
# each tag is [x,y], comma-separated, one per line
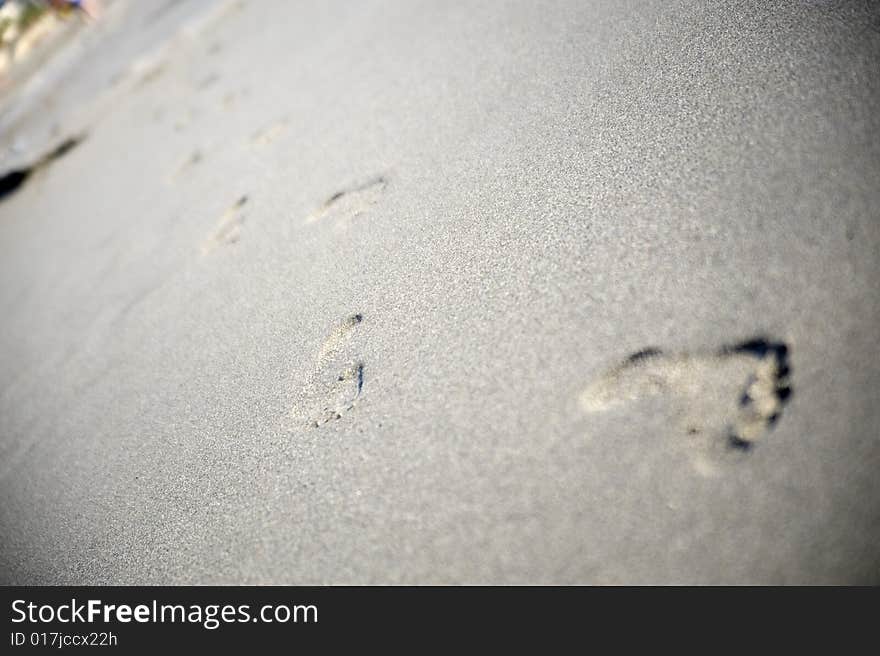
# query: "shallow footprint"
[186,165]
[269,133]
[348,204]
[228,229]
[723,400]
[336,381]
[328,400]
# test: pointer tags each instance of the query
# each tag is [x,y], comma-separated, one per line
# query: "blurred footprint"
[269,133]
[228,229]
[348,204]
[725,400]
[184,167]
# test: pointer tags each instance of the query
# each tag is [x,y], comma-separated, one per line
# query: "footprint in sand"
[150,73]
[228,229]
[185,119]
[336,381]
[207,82]
[231,98]
[269,133]
[186,165]
[725,400]
[348,204]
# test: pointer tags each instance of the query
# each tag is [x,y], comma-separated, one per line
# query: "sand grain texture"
[529,194]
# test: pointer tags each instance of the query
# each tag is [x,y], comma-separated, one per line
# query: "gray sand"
[319,297]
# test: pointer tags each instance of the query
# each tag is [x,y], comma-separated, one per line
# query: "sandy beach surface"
[409,292]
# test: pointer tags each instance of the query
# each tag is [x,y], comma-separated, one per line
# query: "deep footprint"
[731,397]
